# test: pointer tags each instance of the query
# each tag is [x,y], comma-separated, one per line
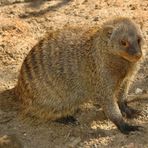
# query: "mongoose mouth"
[132,58]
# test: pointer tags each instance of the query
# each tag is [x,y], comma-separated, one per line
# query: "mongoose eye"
[124,43]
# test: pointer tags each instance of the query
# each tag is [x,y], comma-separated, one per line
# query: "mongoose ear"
[108,30]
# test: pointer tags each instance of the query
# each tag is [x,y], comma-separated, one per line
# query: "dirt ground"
[22,24]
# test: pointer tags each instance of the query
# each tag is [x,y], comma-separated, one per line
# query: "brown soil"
[22,24]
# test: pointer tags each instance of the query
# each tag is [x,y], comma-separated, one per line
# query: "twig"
[134,98]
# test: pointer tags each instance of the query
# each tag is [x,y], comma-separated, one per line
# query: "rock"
[138,91]
[133,7]
[96,18]
[96,6]
[86,17]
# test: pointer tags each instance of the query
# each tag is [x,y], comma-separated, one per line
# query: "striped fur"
[74,64]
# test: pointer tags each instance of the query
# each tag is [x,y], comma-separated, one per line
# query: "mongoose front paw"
[128,112]
[126,128]
[131,113]
[68,120]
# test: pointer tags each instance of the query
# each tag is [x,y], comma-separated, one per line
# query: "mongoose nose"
[138,55]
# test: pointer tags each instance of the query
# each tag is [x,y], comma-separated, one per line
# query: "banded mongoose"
[74,64]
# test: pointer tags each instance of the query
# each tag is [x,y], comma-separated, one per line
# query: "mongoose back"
[74,64]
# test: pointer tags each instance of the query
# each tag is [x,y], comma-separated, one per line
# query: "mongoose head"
[125,38]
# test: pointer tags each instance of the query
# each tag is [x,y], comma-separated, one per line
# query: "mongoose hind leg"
[67,120]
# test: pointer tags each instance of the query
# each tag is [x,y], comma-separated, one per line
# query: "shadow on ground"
[8,100]
[38,4]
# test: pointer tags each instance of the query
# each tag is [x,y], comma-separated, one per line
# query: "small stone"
[95,146]
[96,18]
[96,6]
[25,134]
[86,17]
[138,91]
[133,7]
[145,9]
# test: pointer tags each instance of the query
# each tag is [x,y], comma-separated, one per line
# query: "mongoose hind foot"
[68,120]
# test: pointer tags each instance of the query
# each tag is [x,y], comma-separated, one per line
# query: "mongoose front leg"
[113,113]
[111,108]
[126,111]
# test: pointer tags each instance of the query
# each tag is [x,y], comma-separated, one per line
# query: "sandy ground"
[22,24]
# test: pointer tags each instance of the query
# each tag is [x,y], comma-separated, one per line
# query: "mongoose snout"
[73,64]
[132,50]
[131,53]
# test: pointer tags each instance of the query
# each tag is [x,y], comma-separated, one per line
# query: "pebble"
[138,91]
[96,18]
